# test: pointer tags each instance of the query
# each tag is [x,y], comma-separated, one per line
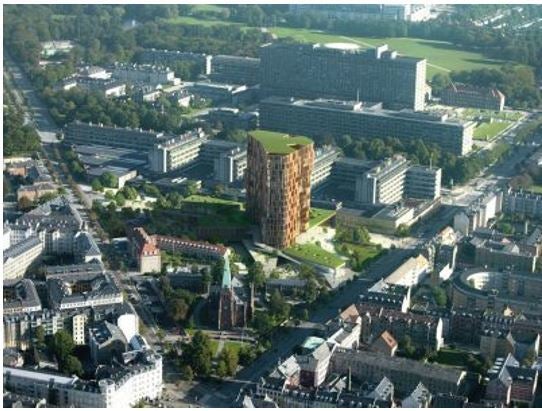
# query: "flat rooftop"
[279,143]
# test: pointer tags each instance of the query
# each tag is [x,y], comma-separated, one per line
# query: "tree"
[256,275]
[246,355]
[231,360]
[71,365]
[198,354]
[96,185]
[440,82]
[187,372]
[262,323]
[119,199]
[25,203]
[109,179]
[62,345]
[39,334]
[407,346]
[278,306]
[179,309]
[190,188]
[221,369]
[440,296]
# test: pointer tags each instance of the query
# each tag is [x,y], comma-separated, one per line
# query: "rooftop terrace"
[279,143]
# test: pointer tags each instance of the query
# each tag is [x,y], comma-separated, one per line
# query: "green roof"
[279,143]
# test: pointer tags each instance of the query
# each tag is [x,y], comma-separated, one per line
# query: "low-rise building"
[405,374]
[479,213]
[424,330]
[411,272]
[82,289]
[522,203]
[502,255]
[510,383]
[171,57]
[34,191]
[106,342]
[145,251]
[21,256]
[143,73]
[387,295]
[123,387]
[223,93]
[20,296]
[123,174]
[233,118]
[461,95]
[106,87]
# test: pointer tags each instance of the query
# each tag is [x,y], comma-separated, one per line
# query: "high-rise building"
[324,159]
[343,71]
[364,120]
[235,70]
[423,182]
[278,185]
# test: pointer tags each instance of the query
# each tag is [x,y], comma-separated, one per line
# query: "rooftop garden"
[279,143]
[312,253]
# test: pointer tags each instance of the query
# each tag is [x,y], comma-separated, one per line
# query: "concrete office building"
[324,159]
[176,152]
[88,133]
[461,95]
[222,93]
[124,387]
[383,184]
[479,213]
[145,73]
[359,120]
[235,70]
[230,166]
[212,149]
[278,185]
[164,57]
[343,71]
[423,182]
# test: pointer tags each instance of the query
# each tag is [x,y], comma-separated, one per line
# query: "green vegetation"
[459,358]
[196,198]
[314,254]
[536,188]
[279,143]
[359,255]
[18,138]
[318,216]
[488,131]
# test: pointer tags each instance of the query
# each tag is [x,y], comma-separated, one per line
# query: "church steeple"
[226,274]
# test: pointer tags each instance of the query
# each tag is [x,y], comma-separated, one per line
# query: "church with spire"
[232,303]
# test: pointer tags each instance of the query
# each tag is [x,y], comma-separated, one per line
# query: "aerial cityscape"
[272,205]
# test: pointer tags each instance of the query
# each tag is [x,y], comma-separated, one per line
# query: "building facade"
[423,182]
[176,152]
[337,118]
[278,185]
[462,95]
[383,184]
[343,71]
[235,69]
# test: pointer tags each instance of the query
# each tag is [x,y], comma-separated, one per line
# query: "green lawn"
[454,357]
[279,143]
[535,189]
[319,215]
[314,254]
[442,57]
[196,198]
[359,254]
[474,113]
[488,131]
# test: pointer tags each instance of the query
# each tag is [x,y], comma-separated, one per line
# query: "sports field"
[442,57]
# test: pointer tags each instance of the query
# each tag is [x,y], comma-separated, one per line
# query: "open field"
[315,254]
[442,57]
[535,189]
[488,131]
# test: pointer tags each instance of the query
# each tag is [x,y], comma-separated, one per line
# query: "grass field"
[210,200]
[319,215]
[488,131]
[364,253]
[473,113]
[279,143]
[313,253]
[442,57]
[535,189]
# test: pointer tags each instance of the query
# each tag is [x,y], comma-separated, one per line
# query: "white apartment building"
[144,73]
[19,257]
[125,387]
[230,166]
